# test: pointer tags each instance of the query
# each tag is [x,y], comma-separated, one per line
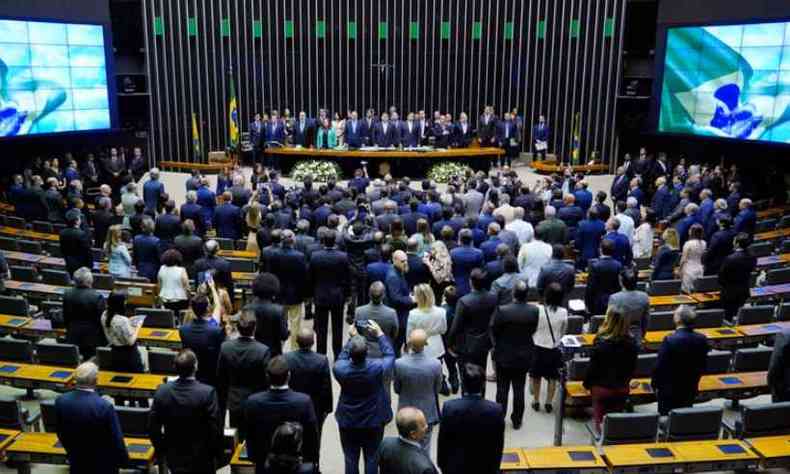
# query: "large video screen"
[727,81]
[53,78]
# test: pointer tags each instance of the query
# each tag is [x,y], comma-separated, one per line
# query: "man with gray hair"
[102,220]
[82,310]
[520,227]
[193,211]
[505,209]
[220,266]
[553,230]
[691,218]
[290,267]
[88,427]
[153,189]
[681,362]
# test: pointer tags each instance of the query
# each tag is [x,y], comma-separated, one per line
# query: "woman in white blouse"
[173,282]
[547,358]
[428,317]
[643,237]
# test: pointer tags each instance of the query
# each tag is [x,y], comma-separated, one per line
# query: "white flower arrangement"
[445,171]
[320,171]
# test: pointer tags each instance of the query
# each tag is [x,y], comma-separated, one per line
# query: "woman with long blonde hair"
[430,318]
[120,261]
[612,363]
[253,220]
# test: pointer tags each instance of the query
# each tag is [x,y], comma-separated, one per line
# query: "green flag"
[233,115]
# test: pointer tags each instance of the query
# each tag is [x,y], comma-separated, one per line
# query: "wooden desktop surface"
[559,459]
[775,450]
[28,234]
[394,153]
[45,447]
[627,457]
[715,335]
[138,383]
[41,375]
[778,211]
[708,297]
[770,291]
[719,455]
[671,300]
[238,254]
[773,260]
[139,294]
[8,437]
[772,234]
[767,329]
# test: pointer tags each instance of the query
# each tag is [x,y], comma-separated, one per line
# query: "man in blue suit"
[409,133]
[153,189]
[88,427]
[540,136]
[356,131]
[463,134]
[303,131]
[369,126]
[384,133]
[471,430]
[192,210]
[363,407]
[204,339]
[588,238]
[256,136]
[227,218]
[635,190]
[662,199]
[603,279]
[705,208]
[489,246]
[207,201]
[465,258]
[746,219]
[398,294]
[691,212]
[377,271]
[681,362]
[619,190]
[622,251]
[508,138]
[275,129]
[584,197]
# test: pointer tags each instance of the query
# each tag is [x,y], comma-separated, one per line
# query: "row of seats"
[767,225]
[692,424]
[754,359]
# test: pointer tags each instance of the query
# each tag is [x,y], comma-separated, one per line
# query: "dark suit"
[399,299]
[623,252]
[191,248]
[355,135]
[168,226]
[330,277]
[662,201]
[619,190]
[461,138]
[464,260]
[241,371]
[152,193]
[145,256]
[227,221]
[290,267]
[89,431]
[512,328]
[588,240]
[719,247]
[221,267]
[310,375]
[664,263]
[265,411]
[387,138]
[681,362]
[303,133]
[469,333]
[779,368]
[185,426]
[602,282]
[75,246]
[486,130]
[102,220]
[205,340]
[735,279]
[193,211]
[399,457]
[409,138]
[82,310]
[55,207]
[471,436]
[557,271]
[272,327]
[275,132]
[745,221]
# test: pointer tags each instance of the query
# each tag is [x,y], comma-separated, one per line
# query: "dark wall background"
[558,75]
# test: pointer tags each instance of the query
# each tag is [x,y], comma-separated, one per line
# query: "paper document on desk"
[577,306]
[137,320]
[541,145]
[570,340]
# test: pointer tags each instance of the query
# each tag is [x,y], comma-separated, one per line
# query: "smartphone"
[362,326]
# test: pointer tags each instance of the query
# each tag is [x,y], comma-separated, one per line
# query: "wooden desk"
[45,448]
[721,337]
[513,461]
[155,337]
[642,458]
[772,234]
[28,234]
[11,324]
[760,332]
[6,438]
[46,261]
[671,300]
[244,276]
[560,459]
[772,260]
[6,208]
[581,277]
[139,294]
[702,298]
[770,291]
[386,154]
[138,385]
[239,465]
[238,254]
[774,450]
[32,376]
[773,212]
[715,455]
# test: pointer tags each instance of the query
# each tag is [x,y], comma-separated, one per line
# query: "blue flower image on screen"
[53,78]
[728,81]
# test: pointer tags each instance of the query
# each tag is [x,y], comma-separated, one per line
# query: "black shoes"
[536,406]
[548,407]
[516,424]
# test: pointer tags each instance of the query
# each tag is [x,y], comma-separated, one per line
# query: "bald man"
[310,375]
[403,455]
[398,295]
[418,379]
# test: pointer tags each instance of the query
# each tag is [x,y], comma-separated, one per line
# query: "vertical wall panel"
[554,74]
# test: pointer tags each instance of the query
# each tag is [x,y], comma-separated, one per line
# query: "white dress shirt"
[626,226]
[522,229]
[531,258]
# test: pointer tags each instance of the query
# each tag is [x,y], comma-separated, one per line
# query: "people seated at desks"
[88,427]
[681,362]
[612,362]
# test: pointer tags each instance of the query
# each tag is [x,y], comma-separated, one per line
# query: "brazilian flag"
[577,138]
[198,155]
[233,116]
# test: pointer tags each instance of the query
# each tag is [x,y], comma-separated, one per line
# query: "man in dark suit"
[619,190]
[398,293]
[469,334]
[681,362]
[508,138]
[465,259]
[369,126]
[363,407]
[265,411]
[103,218]
[75,243]
[241,368]
[746,220]
[512,328]
[203,339]
[310,375]
[271,327]
[153,189]
[304,130]
[662,199]
[56,208]
[463,134]
[588,238]
[330,277]
[603,279]
[256,136]
[219,265]
[227,218]
[571,215]
[290,267]
[409,133]
[779,368]
[385,134]
[193,211]
[540,137]
[185,425]
[486,127]
[88,427]
[239,193]
[622,251]
[356,131]
[82,310]
[417,271]
[190,246]
[402,454]
[720,246]
[168,226]
[471,430]
[556,270]
[735,276]
[275,129]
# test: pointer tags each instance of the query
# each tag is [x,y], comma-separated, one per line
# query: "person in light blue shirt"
[120,265]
